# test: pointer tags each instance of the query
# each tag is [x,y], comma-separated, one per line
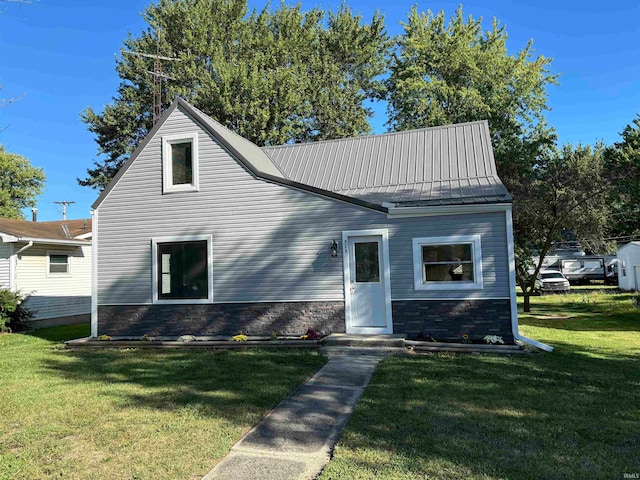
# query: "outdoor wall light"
[334,249]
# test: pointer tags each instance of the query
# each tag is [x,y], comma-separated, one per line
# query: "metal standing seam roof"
[431,166]
[448,165]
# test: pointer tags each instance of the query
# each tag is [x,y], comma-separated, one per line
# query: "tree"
[272,76]
[622,161]
[450,73]
[566,192]
[20,184]
[444,73]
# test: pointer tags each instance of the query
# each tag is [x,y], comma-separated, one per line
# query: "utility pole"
[64,204]
[158,76]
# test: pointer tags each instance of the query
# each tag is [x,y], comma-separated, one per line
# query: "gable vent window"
[58,263]
[180,163]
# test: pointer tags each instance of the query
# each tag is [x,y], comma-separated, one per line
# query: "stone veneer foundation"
[291,318]
[448,320]
[445,320]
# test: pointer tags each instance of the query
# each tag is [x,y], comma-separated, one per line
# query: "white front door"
[636,274]
[367,295]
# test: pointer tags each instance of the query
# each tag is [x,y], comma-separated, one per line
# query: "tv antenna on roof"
[64,204]
[158,76]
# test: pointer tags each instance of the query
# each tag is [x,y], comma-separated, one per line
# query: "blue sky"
[58,58]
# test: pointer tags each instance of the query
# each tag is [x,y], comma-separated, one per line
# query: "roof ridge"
[377,135]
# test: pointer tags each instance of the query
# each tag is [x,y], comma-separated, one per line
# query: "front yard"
[131,414]
[573,413]
[140,414]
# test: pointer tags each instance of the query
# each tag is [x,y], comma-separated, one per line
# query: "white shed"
[629,266]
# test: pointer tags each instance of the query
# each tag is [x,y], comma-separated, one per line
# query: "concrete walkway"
[295,440]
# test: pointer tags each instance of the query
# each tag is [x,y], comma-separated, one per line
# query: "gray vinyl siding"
[5,264]
[270,242]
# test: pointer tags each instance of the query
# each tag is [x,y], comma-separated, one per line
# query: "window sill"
[185,301]
[180,189]
[449,286]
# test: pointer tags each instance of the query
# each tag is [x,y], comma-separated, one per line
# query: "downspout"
[512,287]
[94,273]
[13,265]
[26,247]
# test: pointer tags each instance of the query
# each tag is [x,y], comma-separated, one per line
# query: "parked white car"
[549,281]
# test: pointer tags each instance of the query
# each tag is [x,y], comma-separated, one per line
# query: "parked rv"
[579,268]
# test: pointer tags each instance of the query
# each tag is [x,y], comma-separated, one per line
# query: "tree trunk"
[527,295]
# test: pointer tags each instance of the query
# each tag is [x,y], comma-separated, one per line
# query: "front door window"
[367,262]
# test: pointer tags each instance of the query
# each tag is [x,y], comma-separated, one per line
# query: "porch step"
[331,351]
[363,341]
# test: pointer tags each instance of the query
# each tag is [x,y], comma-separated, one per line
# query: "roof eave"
[272,178]
[136,152]
[52,241]
[456,209]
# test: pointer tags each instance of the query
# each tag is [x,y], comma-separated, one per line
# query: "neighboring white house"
[49,263]
[629,266]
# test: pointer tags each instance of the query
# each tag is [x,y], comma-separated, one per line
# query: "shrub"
[13,315]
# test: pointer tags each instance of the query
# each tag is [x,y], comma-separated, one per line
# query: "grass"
[131,414]
[573,413]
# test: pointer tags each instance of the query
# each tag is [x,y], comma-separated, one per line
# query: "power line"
[158,76]
[64,204]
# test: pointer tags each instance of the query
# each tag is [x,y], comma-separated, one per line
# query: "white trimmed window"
[447,263]
[181,269]
[58,263]
[180,163]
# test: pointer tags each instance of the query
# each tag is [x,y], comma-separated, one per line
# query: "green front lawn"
[573,413]
[131,414]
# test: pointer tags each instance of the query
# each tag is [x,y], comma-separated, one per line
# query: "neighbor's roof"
[62,230]
[450,165]
[432,166]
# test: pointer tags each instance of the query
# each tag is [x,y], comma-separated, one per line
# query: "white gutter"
[512,287]
[400,212]
[13,262]
[53,241]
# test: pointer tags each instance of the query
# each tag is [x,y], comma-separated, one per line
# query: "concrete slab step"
[341,339]
[331,351]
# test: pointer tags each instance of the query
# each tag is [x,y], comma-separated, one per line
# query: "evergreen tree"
[623,174]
